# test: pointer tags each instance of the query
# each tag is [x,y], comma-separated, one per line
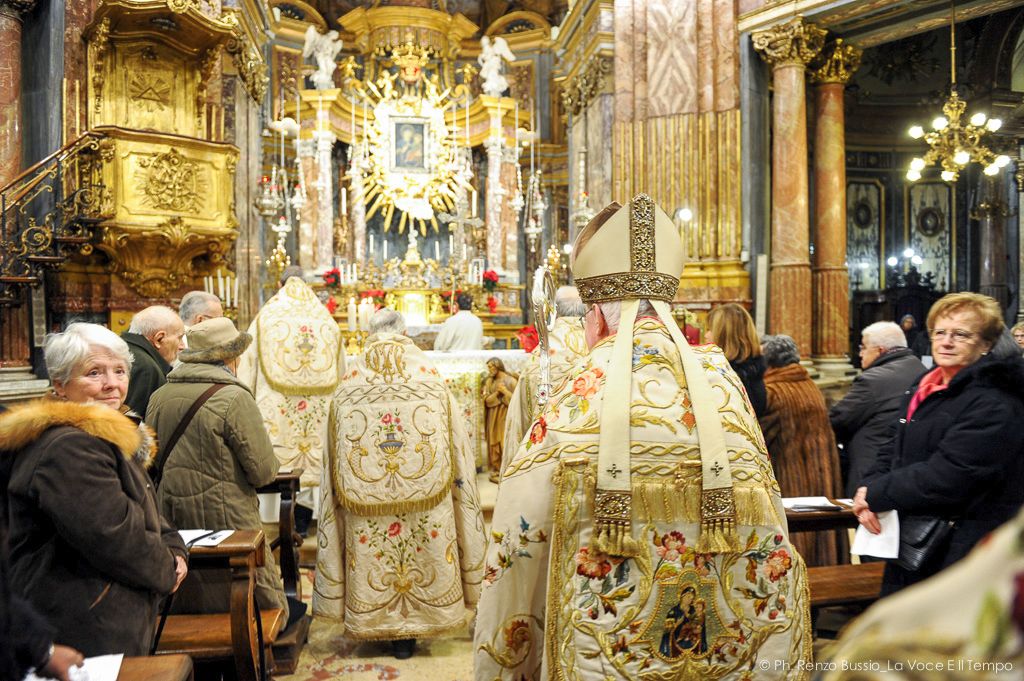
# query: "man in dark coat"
[155,338]
[865,419]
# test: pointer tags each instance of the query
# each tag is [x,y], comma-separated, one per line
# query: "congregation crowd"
[622,505]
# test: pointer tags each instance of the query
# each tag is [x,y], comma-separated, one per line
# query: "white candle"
[355,273]
[385,251]
[235,296]
[220,286]
[344,201]
[227,291]
[352,315]
[370,254]
[437,250]
[463,252]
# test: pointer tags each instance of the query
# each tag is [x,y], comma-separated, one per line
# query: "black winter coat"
[751,373]
[149,372]
[960,457]
[865,420]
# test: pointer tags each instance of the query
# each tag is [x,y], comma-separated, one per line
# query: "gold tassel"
[718,535]
[615,540]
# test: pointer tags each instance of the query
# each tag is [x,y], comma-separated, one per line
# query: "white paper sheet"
[100,668]
[886,544]
[809,504]
[212,538]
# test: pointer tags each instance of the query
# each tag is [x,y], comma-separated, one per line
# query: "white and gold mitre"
[635,254]
[298,343]
[632,255]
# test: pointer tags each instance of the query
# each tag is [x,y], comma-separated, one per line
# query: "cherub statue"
[386,83]
[493,52]
[323,48]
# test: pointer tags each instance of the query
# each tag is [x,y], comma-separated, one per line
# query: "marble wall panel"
[726,54]
[672,58]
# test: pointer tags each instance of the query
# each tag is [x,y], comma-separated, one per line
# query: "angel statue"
[492,52]
[324,48]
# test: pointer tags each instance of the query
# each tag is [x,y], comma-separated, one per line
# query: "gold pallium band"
[613,496]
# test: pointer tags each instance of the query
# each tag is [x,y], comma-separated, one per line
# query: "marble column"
[1019,177]
[15,352]
[788,48]
[992,213]
[830,280]
[495,192]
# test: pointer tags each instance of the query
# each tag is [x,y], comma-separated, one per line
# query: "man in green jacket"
[155,337]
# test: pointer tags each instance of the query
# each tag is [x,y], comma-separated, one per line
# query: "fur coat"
[803,451]
[88,547]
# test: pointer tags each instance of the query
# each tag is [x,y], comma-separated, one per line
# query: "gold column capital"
[841,62]
[795,42]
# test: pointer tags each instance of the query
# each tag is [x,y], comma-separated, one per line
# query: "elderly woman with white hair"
[864,421]
[88,547]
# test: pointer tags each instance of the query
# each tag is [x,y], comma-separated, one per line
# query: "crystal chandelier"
[953,141]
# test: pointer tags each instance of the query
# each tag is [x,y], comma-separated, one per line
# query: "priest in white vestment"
[461,331]
[566,345]
[293,366]
[401,534]
[639,532]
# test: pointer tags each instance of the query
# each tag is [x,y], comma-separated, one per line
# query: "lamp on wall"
[954,140]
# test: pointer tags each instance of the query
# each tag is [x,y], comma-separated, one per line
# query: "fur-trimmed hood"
[24,424]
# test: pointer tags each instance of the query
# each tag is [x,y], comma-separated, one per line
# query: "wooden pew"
[227,637]
[158,668]
[837,584]
[845,584]
[289,644]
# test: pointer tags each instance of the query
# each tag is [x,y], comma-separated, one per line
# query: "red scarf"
[931,383]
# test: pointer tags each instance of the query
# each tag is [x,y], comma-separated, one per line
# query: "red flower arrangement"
[528,338]
[376,295]
[332,277]
[490,281]
[331,305]
[492,303]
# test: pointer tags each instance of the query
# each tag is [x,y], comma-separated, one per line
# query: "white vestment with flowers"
[401,534]
[293,367]
[553,609]
[566,345]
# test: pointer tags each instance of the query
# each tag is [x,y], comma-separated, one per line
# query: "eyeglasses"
[957,335]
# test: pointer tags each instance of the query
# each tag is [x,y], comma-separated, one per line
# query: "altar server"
[566,345]
[639,531]
[401,533]
[461,331]
[293,366]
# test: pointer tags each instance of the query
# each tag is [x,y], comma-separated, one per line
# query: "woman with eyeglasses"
[958,452]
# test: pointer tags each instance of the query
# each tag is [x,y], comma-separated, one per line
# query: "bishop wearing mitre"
[293,366]
[401,534]
[566,345]
[639,531]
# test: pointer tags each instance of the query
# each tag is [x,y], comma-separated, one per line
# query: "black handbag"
[921,539]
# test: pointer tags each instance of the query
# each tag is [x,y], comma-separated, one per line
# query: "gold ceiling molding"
[382,29]
[578,91]
[841,62]
[518,22]
[795,42]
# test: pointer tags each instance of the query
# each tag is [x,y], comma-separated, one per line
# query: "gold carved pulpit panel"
[168,207]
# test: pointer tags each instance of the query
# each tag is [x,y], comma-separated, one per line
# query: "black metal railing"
[47,212]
